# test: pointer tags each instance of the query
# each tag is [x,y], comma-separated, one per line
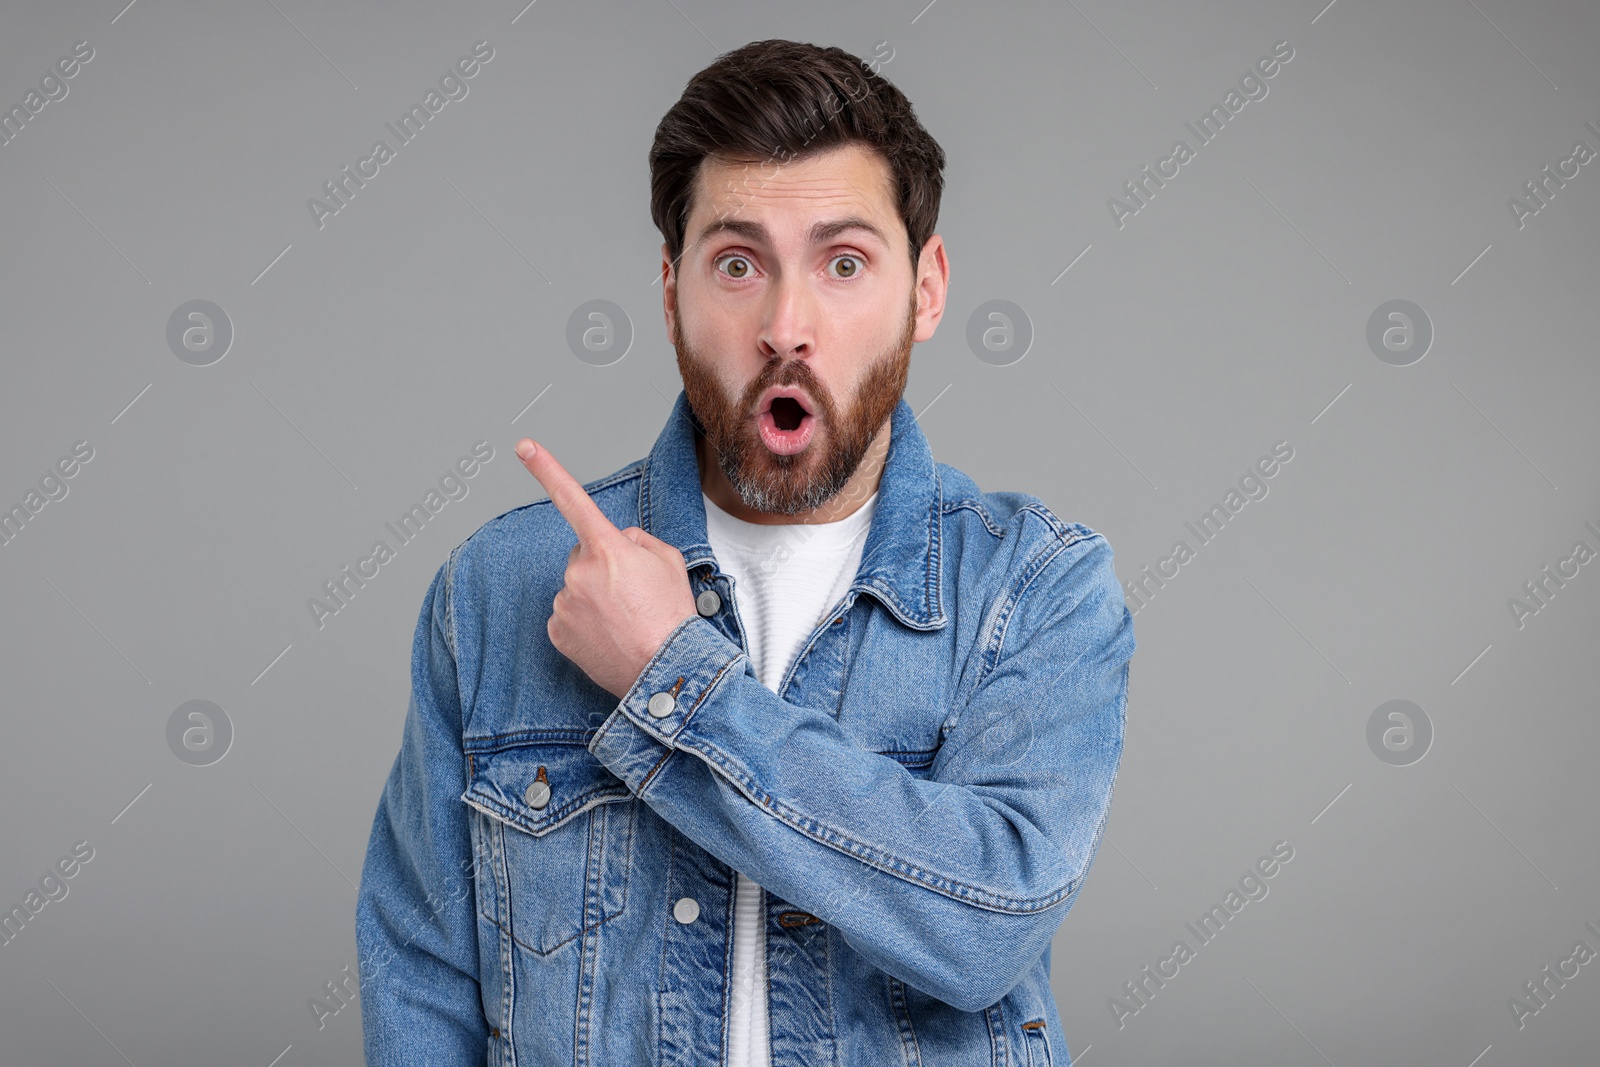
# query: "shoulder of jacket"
[1004,513]
[526,527]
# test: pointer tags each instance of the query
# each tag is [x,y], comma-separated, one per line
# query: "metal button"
[661,705]
[708,602]
[686,910]
[538,794]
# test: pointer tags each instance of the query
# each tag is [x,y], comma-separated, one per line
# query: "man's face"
[773,292]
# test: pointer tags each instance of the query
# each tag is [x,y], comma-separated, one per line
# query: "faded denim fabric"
[550,873]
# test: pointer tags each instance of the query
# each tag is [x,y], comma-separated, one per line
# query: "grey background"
[1229,314]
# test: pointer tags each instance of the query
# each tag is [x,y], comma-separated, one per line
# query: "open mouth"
[786,426]
[787,412]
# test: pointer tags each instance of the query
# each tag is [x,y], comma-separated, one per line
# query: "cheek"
[715,342]
[839,390]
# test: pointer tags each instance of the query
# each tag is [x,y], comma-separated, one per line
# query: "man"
[785,744]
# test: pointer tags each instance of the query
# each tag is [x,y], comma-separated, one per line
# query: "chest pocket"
[554,839]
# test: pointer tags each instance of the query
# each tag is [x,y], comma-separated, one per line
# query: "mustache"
[794,373]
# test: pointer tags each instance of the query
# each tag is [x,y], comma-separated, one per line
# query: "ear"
[669,290]
[932,285]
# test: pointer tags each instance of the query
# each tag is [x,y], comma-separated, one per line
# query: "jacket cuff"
[637,737]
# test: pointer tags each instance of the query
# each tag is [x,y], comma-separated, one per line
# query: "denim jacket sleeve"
[954,882]
[416,935]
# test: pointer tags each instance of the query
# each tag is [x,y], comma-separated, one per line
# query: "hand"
[624,591]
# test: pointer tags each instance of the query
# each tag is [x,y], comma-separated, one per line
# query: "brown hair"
[779,101]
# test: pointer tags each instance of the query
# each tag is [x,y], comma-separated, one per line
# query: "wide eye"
[850,265]
[741,272]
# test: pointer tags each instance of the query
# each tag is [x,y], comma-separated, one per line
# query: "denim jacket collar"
[900,560]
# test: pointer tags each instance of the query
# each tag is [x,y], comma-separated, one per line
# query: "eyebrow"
[820,231]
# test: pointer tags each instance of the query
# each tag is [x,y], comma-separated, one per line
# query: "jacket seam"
[933,585]
[976,506]
[1040,564]
[902,1008]
[632,470]
[528,736]
[450,604]
[832,837]
[659,1021]
[999,1044]
[553,820]
[644,783]
[992,655]
[1067,534]
[1070,532]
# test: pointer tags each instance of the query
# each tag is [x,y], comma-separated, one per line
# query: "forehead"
[851,179]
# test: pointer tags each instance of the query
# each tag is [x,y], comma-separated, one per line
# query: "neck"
[862,484]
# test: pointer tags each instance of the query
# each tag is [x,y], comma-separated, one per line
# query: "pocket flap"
[537,786]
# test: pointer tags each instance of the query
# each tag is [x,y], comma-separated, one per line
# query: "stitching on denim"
[548,820]
[766,967]
[709,687]
[888,596]
[508,985]
[1035,568]
[982,512]
[506,926]
[830,836]
[799,663]
[532,735]
[827,979]
[724,1045]
[644,783]
[588,953]
[996,1040]
[1070,532]
[902,1011]
[992,651]
[632,470]
[912,1026]
[661,973]
[933,583]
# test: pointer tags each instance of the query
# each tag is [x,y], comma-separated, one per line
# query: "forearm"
[953,885]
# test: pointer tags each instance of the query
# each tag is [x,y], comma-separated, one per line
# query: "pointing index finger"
[568,495]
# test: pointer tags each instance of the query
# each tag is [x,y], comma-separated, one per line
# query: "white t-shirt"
[785,577]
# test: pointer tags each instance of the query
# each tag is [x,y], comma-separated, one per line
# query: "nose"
[789,330]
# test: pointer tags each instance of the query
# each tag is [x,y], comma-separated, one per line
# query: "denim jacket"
[550,876]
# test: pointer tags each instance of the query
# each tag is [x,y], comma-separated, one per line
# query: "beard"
[801,482]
